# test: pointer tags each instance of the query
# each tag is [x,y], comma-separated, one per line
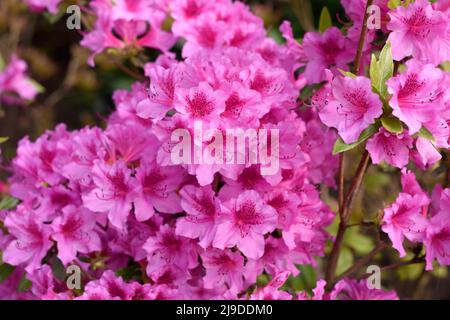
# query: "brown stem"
[356,185]
[345,217]
[334,255]
[399,264]
[415,260]
[362,38]
[347,203]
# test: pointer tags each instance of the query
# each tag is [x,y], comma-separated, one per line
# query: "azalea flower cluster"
[111,201]
[113,196]
[416,97]
[420,219]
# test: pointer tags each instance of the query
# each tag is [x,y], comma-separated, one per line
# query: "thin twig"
[415,260]
[362,38]
[356,185]
[345,217]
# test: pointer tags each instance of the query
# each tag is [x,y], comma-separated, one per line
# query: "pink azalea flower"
[157,188]
[46,287]
[74,233]
[271,290]
[183,10]
[244,222]
[249,179]
[411,186]
[8,287]
[132,241]
[200,103]
[166,248]
[13,79]
[108,287]
[437,240]
[203,33]
[426,154]
[318,143]
[318,292]
[440,128]
[270,83]
[243,105]
[202,209]
[112,192]
[31,241]
[128,142]
[125,23]
[347,289]
[404,219]
[54,199]
[312,216]
[329,50]
[417,94]
[49,5]
[161,94]
[286,204]
[277,258]
[293,45]
[87,147]
[420,31]
[353,107]
[127,102]
[223,267]
[389,147]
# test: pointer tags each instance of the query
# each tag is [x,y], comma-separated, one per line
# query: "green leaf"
[406,3]
[3,139]
[8,203]
[382,70]
[305,281]
[341,146]
[5,271]
[425,133]
[374,72]
[446,66]
[262,280]
[58,269]
[347,73]
[24,285]
[2,63]
[325,20]
[131,272]
[392,124]
[386,62]
[392,4]
[308,274]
